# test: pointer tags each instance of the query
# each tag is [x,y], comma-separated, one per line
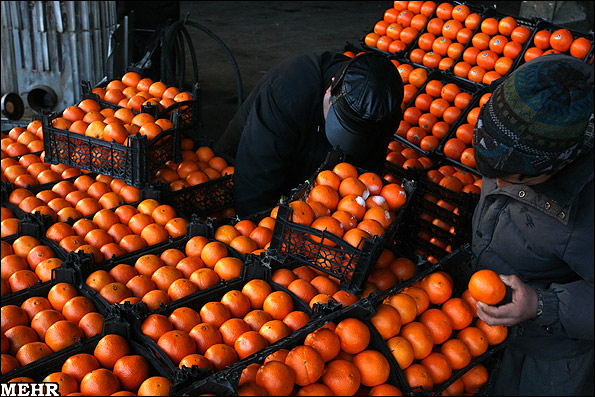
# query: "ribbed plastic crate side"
[132,163]
[324,250]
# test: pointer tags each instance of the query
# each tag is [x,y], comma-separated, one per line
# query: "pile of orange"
[169,276]
[349,205]
[88,118]
[26,262]
[434,333]
[400,25]
[246,236]
[31,170]
[41,325]
[493,50]
[219,333]
[20,141]
[460,147]
[196,167]
[114,232]
[406,157]
[335,359]
[445,37]
[429,119]
[133,91]
[312,285]
[82,197]
[112,369]
[562,41]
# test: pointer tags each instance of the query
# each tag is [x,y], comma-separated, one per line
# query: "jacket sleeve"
[568,307]
[263,155]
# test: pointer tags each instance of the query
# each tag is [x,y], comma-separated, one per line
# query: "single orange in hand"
[486,286]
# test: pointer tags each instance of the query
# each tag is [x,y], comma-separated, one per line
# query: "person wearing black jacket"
[299,111]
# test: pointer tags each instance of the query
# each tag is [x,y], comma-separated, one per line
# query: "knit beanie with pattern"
[536,120]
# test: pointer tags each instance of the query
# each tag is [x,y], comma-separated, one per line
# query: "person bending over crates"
[299,111]
[533,224]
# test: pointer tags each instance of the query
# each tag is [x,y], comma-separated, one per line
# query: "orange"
[419,376]
[277,378]
[457,353]
[353,334]
[385,390]
[296,320]
[438,287]
[176,344]
[325,342]
[110,349]
[212,252]
[155,386]
[231,329]
[221,356]
[99,382]
[561,40]
[278,304]
[438,366]
[131,371]
[156,325]
[495,334]
[485,286]
[420,338]
[373,366]
[580,47]
[79,365]
[438,323]
[342,377]
[387,321]
[459,312]
[257,318]
[249,343]
[307,364]
[475,339]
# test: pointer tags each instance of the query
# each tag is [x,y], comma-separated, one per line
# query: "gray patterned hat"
[536,120]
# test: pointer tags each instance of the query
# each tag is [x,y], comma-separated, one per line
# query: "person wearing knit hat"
[533,224]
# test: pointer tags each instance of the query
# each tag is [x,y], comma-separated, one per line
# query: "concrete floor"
[261,33]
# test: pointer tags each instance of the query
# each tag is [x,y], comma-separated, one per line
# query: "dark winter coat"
[544,235]
[281,125]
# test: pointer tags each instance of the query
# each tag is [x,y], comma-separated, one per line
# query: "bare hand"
[522,307]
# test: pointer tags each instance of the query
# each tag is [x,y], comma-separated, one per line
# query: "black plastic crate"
[137,313]
[189,110]
[529,23]
[133,163]
[452,133]
[84,265]
[30,226]
[445,78]
[546,25]
[351,266]
[474,8]
[413,238]
[60,275]
[203,199]
[39,369]
[226,382]
[458,265]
